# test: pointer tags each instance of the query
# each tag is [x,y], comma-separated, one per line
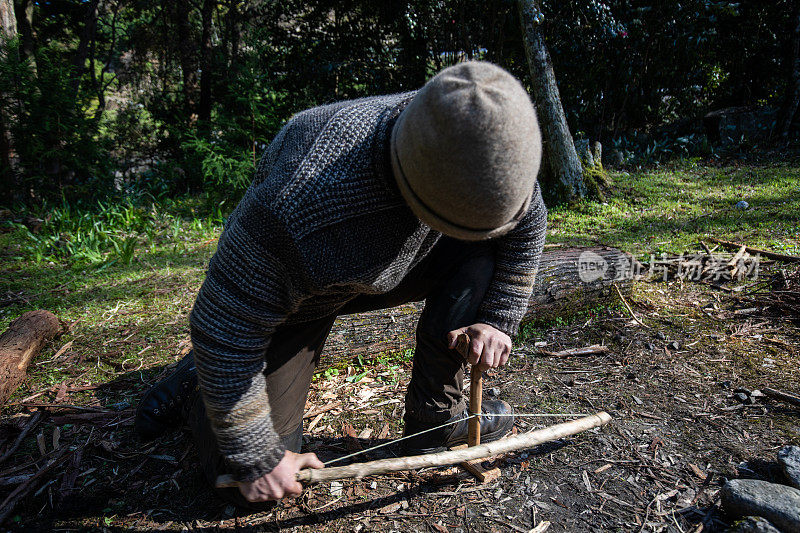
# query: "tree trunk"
[413,52]
[8,31]
[792,98]
[8,21]
[204,109]
[87,37]
[20,343]
[563,287]
[233,32]
[24,13]
[186,53]
[565,167]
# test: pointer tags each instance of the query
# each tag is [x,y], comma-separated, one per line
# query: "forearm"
[233,388]
[516,262]
[232,323]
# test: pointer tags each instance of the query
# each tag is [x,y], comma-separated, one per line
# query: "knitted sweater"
[322,222]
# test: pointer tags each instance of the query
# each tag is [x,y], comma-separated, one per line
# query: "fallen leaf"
[696,471]
[62,393]
[349,430]
[440,528]
[384,431]
[391,508]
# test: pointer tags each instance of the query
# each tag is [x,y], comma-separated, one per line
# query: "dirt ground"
[677,434]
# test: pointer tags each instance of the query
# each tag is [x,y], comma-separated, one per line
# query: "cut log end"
[20,343]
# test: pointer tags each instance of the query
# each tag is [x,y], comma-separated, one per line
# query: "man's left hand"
[488,346]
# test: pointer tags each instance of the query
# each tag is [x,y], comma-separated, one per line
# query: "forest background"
[141,101]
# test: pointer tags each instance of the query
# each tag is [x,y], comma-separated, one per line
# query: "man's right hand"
[282,481]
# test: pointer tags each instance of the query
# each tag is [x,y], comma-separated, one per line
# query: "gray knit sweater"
[322,222]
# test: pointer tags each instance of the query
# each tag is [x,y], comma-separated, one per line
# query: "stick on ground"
[628,307]
[32,421]
[782,396]
[594,349]
[26,487]
[766,253]
[482,451]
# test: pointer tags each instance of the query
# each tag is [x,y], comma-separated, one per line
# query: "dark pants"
[452,280]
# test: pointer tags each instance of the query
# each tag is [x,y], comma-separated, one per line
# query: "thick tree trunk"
[565,284]
[565,167]
[20,343]
[8,21]
[792,98]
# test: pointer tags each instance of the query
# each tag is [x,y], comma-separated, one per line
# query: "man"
[359,205]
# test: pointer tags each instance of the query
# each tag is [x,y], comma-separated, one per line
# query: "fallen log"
[482,451]
[20,343]
[563,287]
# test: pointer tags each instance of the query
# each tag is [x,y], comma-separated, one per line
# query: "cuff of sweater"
[508,324]
[264,465]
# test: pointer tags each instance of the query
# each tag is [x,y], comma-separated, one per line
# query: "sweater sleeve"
[516,263]
[245,296]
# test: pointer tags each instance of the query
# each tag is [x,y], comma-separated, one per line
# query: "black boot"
[165,405]
[492,428]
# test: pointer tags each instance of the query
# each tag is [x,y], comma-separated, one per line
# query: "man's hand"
[487,344]
[282,481]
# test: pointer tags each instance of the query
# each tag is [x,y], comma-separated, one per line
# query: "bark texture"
[565,169]
[560,290]
[8,22]
[20,343]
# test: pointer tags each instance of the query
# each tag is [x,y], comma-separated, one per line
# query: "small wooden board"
[475,468]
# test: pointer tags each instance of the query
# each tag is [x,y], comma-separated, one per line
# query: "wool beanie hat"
[466,150]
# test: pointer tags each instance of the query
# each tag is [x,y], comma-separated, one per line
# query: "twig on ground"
[783,396]
[324,409]
[751,250]
[628,307]
[34,419]
[594,349]
[25,488]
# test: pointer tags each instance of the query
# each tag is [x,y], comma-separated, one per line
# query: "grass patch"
[669,211]
[129,305]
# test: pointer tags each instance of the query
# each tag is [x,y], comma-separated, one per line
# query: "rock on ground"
[753,524]
[789,458]
[777,503]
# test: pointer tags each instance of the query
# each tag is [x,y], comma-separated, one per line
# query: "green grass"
[127,275]
[671,210]
[129,304]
